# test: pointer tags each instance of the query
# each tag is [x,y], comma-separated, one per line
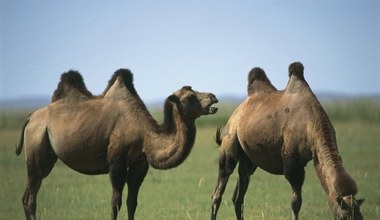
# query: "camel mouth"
[211,109]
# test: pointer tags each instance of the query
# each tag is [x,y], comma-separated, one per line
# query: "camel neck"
[170,144]
[329,166]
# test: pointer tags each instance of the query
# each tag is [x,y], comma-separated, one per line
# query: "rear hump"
[259,82]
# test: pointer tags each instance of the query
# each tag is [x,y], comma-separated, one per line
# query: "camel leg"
[118,174]
[246,169]
[135,177]
[227,163]
[29,199]
[36,172]
[295,174]
[40,161]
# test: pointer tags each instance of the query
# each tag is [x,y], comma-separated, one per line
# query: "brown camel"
[113,133]
[71,88]
[280,132]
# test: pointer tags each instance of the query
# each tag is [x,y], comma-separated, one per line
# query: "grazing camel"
[113,133]
[280,132]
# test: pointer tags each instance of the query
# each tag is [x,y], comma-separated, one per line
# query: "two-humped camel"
[280,132]
[113,133]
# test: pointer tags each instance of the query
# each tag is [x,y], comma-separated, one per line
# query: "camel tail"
[218,134]
[20,144]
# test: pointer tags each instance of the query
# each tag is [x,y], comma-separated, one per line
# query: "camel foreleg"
[135,177]
[295,174]
[118,174]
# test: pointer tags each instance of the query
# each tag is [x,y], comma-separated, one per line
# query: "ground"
[185,192]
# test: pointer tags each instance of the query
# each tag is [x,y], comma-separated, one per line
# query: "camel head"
[348,208]
[192,103]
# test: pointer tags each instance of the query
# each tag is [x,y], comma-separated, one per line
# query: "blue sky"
[210,45]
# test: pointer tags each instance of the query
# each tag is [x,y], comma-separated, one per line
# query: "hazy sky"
[210,45]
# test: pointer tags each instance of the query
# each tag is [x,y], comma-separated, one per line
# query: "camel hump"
[127,77]
[259,82]
[296,69]
[256,74]
[297,82]
[71,85]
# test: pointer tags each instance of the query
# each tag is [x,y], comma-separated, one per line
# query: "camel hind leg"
[226,167]
[227,162]
[40,161]
[29,199]
[246,169]
[135,177]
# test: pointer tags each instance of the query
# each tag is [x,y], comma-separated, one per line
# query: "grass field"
[185,192]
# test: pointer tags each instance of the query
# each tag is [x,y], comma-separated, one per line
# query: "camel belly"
[262,141]
[264,152]
[84,162]
[267,159]
[86,154]
[80,136]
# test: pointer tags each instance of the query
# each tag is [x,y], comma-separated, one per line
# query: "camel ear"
[173,98]
[341,203]
[360,201]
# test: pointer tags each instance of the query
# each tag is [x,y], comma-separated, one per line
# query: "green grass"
[185,192]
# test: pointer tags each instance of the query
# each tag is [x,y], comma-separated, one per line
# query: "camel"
[113,133]
[280,132]
[34,132]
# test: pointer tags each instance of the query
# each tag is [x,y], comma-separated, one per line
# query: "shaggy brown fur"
[69,81]
[112,134]
[259,82]
[127,77]
[280,132]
